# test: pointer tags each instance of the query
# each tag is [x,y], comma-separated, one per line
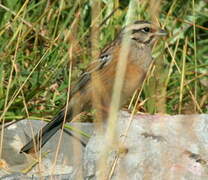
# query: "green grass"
[39,40]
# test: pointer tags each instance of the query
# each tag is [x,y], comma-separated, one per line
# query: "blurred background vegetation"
[44,43]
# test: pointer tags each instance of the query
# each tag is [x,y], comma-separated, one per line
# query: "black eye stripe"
[136,31]
[144,30]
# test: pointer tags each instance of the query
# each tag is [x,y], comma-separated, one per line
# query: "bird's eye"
[146,30]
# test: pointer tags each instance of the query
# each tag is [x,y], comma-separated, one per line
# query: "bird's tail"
[46,132]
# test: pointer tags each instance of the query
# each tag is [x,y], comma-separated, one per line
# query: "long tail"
[46,133]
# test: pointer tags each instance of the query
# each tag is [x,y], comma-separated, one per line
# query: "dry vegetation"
[45,45]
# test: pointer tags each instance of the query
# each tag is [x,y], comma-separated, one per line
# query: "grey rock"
[69,157]
[154,147]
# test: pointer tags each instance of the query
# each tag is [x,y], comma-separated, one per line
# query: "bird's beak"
[161,32]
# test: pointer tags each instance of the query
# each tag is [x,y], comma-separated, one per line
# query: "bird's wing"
[103,60]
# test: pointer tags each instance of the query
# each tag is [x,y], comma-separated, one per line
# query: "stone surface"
[155,147]
[69,159]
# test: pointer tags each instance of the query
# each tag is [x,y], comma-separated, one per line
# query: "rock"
[154,147]
[69,159]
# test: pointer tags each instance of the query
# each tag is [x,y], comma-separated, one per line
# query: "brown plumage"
[99,80]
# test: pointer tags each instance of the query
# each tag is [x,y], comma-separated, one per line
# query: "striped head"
[143,32]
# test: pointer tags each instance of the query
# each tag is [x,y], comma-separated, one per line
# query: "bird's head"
[143,32]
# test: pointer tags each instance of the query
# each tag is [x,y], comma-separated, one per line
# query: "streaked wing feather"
[94,66]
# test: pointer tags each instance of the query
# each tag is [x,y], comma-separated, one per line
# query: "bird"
[142,35]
